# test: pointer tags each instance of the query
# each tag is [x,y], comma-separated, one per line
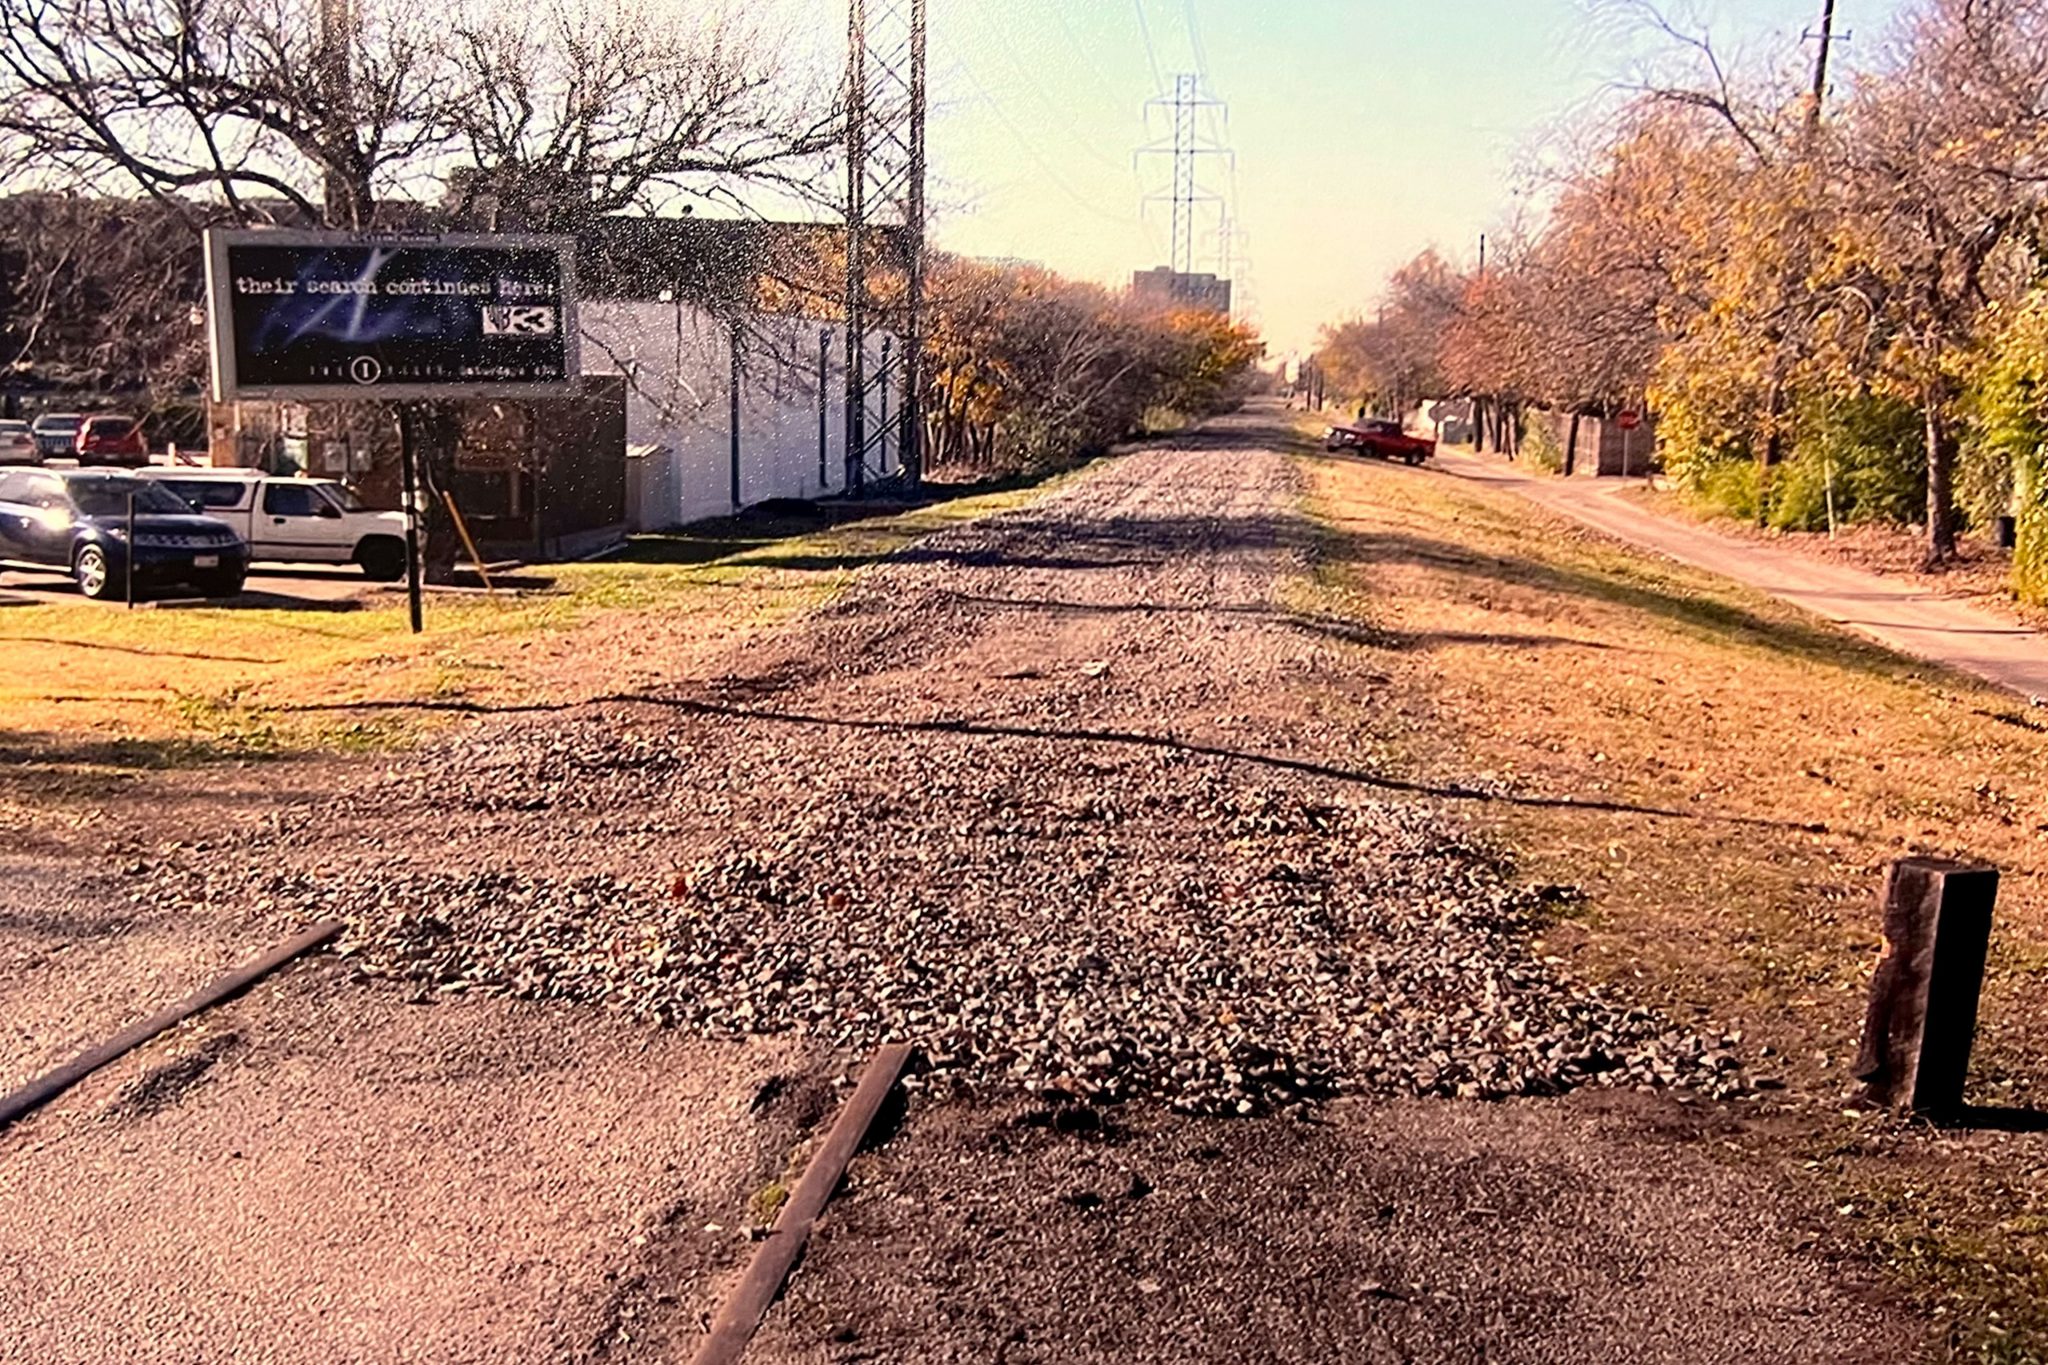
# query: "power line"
[1195,39]
[1151,52]
[1060,115]
[1030,146]
[1059,13]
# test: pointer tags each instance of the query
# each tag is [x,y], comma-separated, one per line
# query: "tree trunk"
[438,429]
[1773,452]
[1571,446]
[1941,467]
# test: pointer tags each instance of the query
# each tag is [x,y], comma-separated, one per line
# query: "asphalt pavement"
[272,586]
[1896,613]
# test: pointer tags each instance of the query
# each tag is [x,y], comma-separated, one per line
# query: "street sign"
[1629,420]
[331,316]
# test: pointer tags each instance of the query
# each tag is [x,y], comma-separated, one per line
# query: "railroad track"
[55,1082]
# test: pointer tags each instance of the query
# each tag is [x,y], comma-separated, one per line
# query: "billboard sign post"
[315,317]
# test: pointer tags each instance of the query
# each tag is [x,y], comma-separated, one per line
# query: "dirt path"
[1046,794]
[1906,618]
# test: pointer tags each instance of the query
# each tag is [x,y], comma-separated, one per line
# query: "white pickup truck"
[295,520]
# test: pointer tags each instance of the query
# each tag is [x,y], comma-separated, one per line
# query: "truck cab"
[293,519]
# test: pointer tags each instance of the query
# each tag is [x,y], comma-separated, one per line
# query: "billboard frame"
[224,384]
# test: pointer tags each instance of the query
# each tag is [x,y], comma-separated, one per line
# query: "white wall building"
[678,365]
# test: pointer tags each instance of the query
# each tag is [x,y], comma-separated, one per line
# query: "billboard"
[314,316]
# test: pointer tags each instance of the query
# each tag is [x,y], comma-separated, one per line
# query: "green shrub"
[1875,450]
[1727,487]
[1540,445]
[2030,502]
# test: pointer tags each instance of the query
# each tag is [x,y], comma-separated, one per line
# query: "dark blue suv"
[76,521]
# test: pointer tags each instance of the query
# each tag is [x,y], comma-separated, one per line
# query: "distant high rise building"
[1169,288]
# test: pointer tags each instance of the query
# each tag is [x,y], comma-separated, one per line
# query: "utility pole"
[1820,62]
[337,39]
[885,204]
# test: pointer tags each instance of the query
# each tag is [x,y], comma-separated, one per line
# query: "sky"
[1364,131]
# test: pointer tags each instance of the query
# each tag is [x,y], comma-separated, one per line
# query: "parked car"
[56,434]
[111,438]
[294,519]
[76,521]
[17,443]
[1381,437]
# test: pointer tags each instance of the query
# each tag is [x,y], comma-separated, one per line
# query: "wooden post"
[1922,1018]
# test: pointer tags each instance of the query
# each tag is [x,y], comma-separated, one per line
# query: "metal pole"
[910,448]
[408,461]
[883,384]
[129,558]
[824,377]
[1820,64]
[733,413]
[856,234]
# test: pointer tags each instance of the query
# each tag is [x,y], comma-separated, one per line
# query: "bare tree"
[593,107]
[225,108]
[98,294]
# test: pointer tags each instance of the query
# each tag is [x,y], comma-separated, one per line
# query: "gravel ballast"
[1047,796]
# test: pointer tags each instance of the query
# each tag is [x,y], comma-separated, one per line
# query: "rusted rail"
[771,1265]
[51,1084]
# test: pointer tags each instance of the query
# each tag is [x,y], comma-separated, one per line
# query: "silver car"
[17,443]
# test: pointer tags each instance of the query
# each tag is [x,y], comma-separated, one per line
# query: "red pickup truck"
[1381,437]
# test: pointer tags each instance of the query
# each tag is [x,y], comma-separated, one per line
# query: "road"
[1066,797]
[1902,616]
[272,586]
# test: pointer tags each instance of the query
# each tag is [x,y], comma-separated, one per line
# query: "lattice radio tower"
[885,231]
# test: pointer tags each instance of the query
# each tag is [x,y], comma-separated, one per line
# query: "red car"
[1381,437]
[110,438]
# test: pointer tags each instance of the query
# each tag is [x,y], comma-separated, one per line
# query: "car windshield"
[107,496]
[347,501]
[58,423]
[110,426]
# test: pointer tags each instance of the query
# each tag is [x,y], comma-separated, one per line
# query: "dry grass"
[1732,776]
[170,686]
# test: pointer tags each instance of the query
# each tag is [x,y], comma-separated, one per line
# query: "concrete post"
[1922,1018]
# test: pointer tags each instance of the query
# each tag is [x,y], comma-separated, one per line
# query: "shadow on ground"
[778,519]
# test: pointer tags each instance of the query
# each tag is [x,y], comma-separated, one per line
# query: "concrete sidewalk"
[1899,615]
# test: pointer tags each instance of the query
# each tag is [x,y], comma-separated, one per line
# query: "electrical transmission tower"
[1188,145]
[1234,262]
[885,231]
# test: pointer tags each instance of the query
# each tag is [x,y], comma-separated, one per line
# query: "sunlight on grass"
[229,679]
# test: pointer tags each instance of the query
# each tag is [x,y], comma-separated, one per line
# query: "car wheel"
[382,560]
[94,574]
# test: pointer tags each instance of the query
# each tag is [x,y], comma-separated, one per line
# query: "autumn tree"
[1942,165]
